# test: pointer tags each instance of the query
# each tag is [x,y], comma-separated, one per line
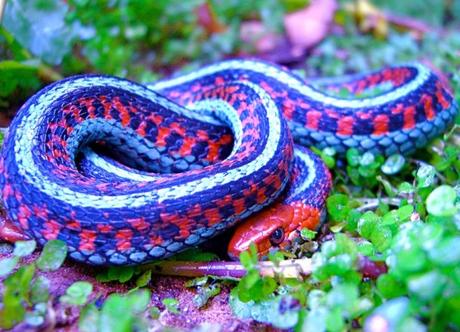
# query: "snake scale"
[126,173]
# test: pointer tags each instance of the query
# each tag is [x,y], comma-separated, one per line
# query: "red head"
[275,227]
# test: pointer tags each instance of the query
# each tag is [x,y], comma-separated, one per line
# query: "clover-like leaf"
[53,255]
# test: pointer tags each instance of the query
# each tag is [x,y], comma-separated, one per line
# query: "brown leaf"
[208,19]
[256,33]
[307,27]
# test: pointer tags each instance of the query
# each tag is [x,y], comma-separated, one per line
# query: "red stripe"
[427,102]
[313,118]
[409,117]
[381,124]
[345,125]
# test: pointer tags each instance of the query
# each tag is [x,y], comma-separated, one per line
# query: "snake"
[127,173]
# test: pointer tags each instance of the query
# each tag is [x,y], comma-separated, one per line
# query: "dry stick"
[373,203]
[2,9]
[293,268]
[287,269]
[408,23]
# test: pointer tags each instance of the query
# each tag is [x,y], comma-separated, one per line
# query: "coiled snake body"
[126,173]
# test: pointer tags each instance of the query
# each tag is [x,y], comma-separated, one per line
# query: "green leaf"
[366,248]
[411,260]
[197,282]
[389,286]
[307,234]
[155,312]
[17,75]
[36,317]
[16,293]
[338,265]
[441,202]
[205,293]
[254,287]
[366,171]
[386,185]
[334,320]
[276,257]
[53,255]
[398,216]
[39,292]
[144,279]
[171,304]
[381,237]
[425,176]
[393,164]
[338,206]
[342,295]
[123,313]
[116,273]
[89,319]
[280,311]
[367,224]
[249,258]
[315,320]
[7,265]
[344,245]
[77,293]
[354,175]
[328,157]
[17,51]
[19,282]
[353,157]
[405,212]
[367,159]
[41,27]
[24,248]
[427,286]
[390,313]
[446,252]
[405,188]
[139,300]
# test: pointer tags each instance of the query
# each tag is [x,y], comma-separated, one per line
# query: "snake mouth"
[260,230]
[274,228]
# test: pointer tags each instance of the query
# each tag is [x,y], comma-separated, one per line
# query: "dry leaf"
[307,27]
[208,19]
[255,33]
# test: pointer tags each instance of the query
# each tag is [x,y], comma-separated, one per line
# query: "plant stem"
[293,268]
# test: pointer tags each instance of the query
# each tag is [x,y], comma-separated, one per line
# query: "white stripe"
[294,83]
[219,108]
[226,114]
[27,138]
[311,171]
[108,167]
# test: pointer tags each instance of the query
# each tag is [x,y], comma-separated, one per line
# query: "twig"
[293,268]
[373,203]
[408,23]
[287,269]
[2,9]
[423,163]
[48,74]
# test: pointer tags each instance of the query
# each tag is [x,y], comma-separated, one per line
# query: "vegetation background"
[389,257]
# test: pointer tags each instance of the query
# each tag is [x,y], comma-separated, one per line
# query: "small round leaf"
[441,202]
[77,293]
[52,256]
[393,164]
[24,248]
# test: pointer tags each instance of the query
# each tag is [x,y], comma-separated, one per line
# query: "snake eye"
[277,237]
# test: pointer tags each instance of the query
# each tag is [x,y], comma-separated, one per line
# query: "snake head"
[275,227]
